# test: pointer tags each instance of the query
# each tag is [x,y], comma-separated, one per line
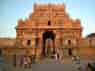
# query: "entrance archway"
[70,51]
[48,43]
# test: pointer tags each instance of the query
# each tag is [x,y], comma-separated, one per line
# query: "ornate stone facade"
[48,30]
[49,21]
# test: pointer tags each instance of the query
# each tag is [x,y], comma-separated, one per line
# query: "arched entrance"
[48,43]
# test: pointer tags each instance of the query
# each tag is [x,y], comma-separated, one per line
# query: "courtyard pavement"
[52,65]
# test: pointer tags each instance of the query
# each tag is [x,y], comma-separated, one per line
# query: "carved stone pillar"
[33,44]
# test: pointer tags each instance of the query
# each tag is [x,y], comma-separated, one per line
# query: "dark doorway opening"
[49,23]
[70,51]
[69,42]
[48,35]
[28,42]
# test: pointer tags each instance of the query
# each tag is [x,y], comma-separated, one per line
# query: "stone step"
[47,67]
[53,67]
[53,61]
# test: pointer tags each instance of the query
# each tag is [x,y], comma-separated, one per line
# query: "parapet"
[56,7]
[20,22]
[77,21]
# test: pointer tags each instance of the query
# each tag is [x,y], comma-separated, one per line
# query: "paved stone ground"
[56,66]
[52,65]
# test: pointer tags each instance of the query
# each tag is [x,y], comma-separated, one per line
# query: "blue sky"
[12,10]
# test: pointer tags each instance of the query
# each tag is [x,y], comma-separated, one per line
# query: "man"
[25,63]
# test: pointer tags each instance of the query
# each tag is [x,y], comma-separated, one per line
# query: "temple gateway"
[49,27]
[48,30]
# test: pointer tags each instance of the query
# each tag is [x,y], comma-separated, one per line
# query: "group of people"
[27,61]
[87,66]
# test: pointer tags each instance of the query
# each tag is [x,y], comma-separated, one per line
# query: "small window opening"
[49,23]
[14,60]
[37,41]
[69,42]
[70,51]
[28,42]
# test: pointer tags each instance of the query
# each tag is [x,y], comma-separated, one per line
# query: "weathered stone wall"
[87,52]
[8,42]
[87,42]
[49,17]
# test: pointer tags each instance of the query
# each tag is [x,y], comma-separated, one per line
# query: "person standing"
[28,62]
[55,55]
